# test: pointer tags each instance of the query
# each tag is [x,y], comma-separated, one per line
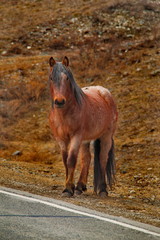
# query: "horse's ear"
[52,62]
[65,61]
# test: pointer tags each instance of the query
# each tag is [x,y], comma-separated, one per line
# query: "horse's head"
[62,84]
[59,84]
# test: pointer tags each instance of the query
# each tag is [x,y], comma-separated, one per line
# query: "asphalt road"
[25,216]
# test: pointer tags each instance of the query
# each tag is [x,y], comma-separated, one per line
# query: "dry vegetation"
[110,43]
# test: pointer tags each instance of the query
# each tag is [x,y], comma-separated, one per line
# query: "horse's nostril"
[59,103]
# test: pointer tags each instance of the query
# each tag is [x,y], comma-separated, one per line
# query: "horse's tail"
[110,167]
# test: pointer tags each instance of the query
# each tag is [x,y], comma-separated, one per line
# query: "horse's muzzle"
[59,103]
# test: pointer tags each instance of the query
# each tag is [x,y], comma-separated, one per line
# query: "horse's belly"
[97,125]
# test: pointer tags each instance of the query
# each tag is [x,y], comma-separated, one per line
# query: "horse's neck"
[71,112]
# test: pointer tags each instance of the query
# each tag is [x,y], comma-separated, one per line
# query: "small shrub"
[57,44]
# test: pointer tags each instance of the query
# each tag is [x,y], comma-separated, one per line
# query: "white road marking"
[82,213]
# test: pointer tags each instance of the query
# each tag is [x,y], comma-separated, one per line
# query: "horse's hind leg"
[105,146]
[85,163]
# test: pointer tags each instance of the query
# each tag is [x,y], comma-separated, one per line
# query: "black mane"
[56,78]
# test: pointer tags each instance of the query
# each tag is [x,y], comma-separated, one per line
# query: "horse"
[78,117]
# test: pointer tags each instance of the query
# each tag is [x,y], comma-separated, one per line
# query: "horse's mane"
[56,78]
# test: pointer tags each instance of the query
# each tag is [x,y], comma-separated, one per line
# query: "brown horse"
[77,117]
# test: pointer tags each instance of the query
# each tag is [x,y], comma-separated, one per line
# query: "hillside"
[111,43]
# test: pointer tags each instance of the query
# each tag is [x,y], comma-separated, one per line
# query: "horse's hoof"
[78,192]
[103,194]
[80,188]
[67,193]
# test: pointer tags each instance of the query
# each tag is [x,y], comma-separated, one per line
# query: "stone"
[17,153]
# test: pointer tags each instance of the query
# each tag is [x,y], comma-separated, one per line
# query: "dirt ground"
[115,44]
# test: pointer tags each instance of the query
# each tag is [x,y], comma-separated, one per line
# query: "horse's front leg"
[85,163]
[64,152]
[71,165]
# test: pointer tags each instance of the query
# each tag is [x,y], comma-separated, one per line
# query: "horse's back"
[94,91]
[102,96]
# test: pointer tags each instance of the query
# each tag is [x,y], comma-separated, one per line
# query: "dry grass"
[68,24]
[21,90]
